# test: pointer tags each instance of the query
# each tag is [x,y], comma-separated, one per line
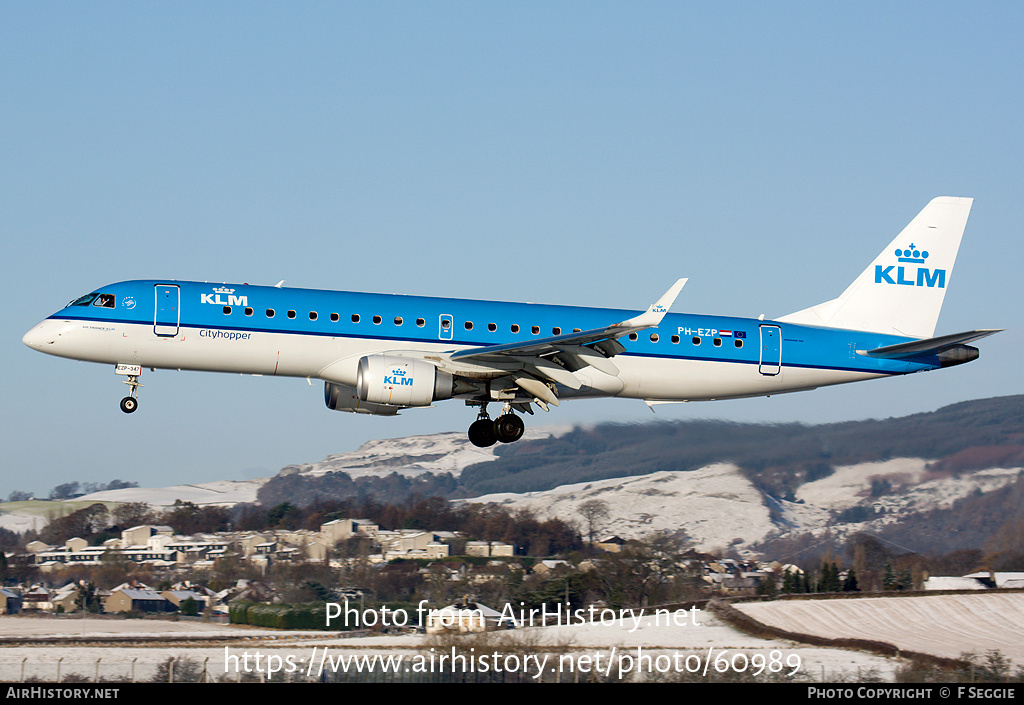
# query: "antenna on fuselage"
[278,285]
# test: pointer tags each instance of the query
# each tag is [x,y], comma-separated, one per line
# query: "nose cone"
[42,336]
[36,337]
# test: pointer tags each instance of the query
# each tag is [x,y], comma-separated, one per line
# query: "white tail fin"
[901,292]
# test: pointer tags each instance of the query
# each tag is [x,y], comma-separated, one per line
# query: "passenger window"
[469,325]
[270,313]
[335,318]
[718,342]
[535,330]
[654,337]
[398,320]
[312,315]
[515,328]
[420,323]
[355,318]
[377,320]
[556,331]
[738,343]
[291,314]
[675,338]
[633,336]
[696,340]
[248,311]
[227,310]
[492,327]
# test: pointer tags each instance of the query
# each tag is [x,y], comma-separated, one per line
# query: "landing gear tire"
[481,433]
[129,404]
[509,428]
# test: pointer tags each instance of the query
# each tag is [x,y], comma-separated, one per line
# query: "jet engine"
[341,397]
[401,381]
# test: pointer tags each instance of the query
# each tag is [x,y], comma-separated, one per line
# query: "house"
[176,597]
[610,544]
[37,598]
[999,580]
[137,600]
[10,602]
[489,549]
[463,617]
[552,566]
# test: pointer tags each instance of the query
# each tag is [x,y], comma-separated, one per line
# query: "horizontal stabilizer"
[928,346]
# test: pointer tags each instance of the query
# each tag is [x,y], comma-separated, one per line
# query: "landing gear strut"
[131,402]
[481,431]
[507,428]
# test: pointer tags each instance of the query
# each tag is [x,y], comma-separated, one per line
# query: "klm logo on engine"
[399,378]
[217,298]
[904,275]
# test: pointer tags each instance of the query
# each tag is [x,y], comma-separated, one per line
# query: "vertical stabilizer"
[901,292]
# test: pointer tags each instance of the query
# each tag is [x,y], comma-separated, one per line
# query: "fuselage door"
[167,313]
[771,350]
[445,324]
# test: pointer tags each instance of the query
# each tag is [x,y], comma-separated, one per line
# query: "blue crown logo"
[911,254]
[398,373]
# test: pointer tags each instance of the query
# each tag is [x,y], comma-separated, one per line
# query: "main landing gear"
[507,428]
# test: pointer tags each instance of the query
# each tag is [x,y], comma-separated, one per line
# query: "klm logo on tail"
[903,275]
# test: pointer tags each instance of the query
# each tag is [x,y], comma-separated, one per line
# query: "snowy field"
[691,641]
[941,625]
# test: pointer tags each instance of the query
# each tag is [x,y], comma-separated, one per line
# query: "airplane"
[383,353]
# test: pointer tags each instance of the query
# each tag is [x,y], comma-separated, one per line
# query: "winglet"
[653,315]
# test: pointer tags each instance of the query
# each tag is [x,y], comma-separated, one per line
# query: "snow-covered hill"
[410,456]
[716,506]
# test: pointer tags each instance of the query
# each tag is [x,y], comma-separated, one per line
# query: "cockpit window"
[96,299]
[84,301]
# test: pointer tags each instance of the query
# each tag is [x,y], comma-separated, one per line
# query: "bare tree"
[595,513]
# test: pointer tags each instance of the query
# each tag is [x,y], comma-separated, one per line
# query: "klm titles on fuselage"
[907,276]
[217,298]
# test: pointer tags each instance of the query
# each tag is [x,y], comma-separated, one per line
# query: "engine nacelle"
[401,381]
[341,397]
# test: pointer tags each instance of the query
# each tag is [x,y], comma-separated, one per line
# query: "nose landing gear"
[507,428]
[131,402]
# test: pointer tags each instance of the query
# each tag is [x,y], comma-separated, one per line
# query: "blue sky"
[579,153]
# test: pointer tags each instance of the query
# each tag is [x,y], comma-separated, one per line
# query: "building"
[463,617]
[137,600]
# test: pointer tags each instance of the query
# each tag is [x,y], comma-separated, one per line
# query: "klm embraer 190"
[380,354]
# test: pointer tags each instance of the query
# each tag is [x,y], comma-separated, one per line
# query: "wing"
[534,364]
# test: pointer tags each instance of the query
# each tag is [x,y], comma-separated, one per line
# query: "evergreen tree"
[850,584]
